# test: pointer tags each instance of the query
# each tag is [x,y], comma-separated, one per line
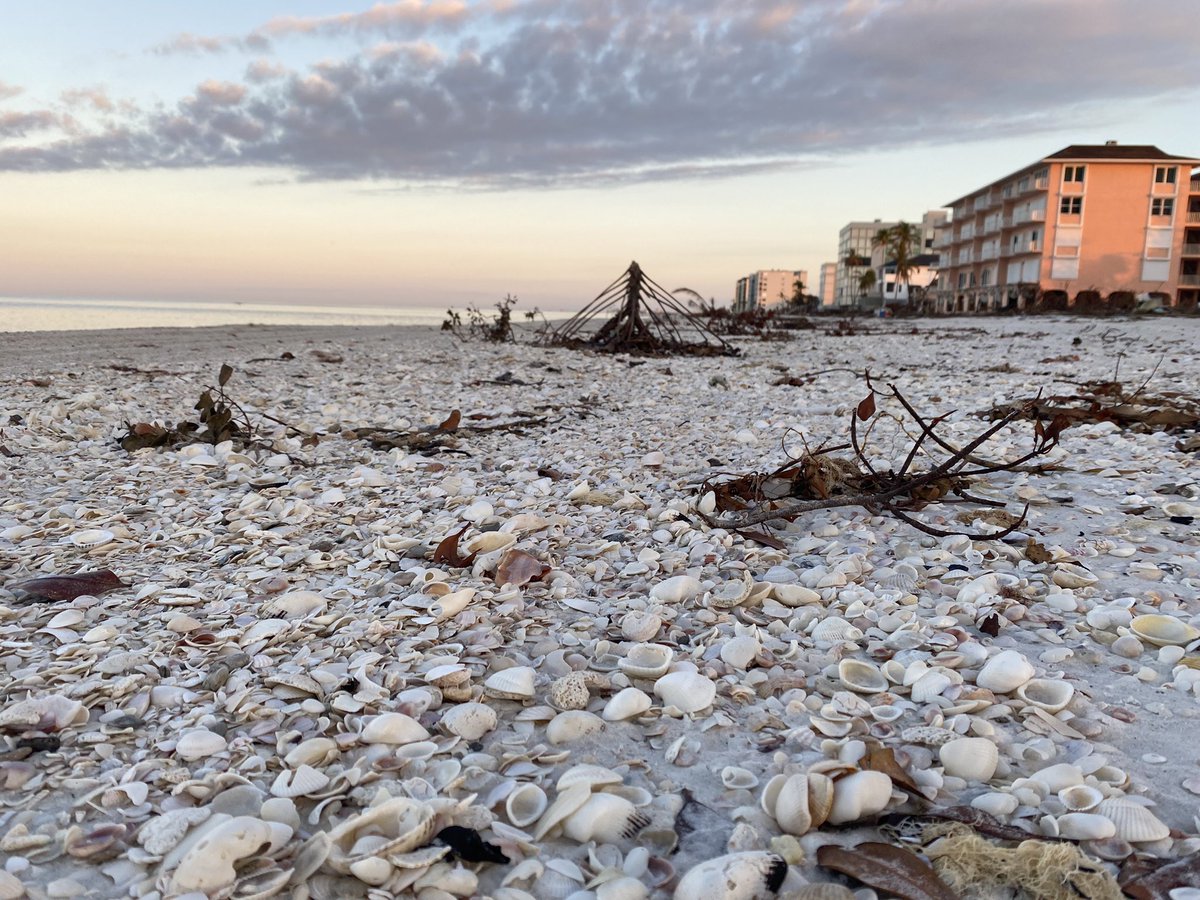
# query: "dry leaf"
[1036,553]
[451,423]
[887,868]
[447,551]
[519,568]
[883,759]
[1141,881]
[68,587]
[866,408]
[989,624]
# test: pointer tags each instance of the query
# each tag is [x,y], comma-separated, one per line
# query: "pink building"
[1103,218]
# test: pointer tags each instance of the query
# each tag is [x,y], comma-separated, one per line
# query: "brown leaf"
[883,759]
[447,551]
[225,374]
[519,568]
[326,356]
[866,408]
[68,587]
[1037,553]
[765,539]
[989,624]
[552,474]
[887,868]
[451,423]
[1151,879]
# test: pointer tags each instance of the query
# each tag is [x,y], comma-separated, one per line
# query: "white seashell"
[92,537]
[1055,778]
[161,833]
[392,728]
[676,589]
[972,759]
[888,713]
[489,542]
[525,805]
[931,684]
[835,630]
[282,810]
[996,804]
[448,675]
[606,819]
[1163,630]
[731,593]
[790,807]
[1080,797]
[859,796]
[1081,826]
[572,725]
[587,774]
[1072,575]
[689,692]
[736,778]
[197,744]
[68,618]
[751,875]
[304,780]
[372,870]
[469,721]
[864,677]
[1132,822]
[794,594]
[646,661]
[53,712]
[740,651]
[1005,672]
[296,604]
[209,865]
[564,805]
[640,626]
[514,683]
[1051,695]
[622,888]
[626,704]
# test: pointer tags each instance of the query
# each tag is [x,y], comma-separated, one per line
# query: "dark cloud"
[594,91]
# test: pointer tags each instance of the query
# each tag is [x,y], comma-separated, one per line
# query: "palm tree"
[866,281]
[697,302]
[898,243]
[798,294]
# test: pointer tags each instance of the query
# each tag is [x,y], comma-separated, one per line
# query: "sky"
[436,152]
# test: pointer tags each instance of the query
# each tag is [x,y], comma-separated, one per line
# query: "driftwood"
[845,475]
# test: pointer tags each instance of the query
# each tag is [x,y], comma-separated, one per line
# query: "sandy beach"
[282,619]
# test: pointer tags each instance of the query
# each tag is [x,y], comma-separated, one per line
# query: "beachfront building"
[893,290]
[1091,220]
[856,240]
[828,283]
[767,288]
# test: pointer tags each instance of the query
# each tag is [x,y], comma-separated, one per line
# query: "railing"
[988,253]
[1191,249]
[1040,184]
[1189,280]
[1195,186]
[1193,216]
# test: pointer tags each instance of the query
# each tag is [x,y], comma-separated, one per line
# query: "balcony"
[1195,186]
[1041,184]
[1193,216]
[1189,280]
[988,253]
[1191,250]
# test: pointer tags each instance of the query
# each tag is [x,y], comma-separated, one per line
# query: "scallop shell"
[751,875]
[626,704]
[392,728]
[525,805]
[1005,672]
[469,721]
[606,819]
[736,778]
[676,589]
[92,537]
[688,692]
[299,783]
[731,593]
[972,759]
[1080,797]
[572,725]
[1051,695]
[197,744]
[862,676]
[859,796]
[1133,823]
[1163,630]
[640,626]
[646,661]
[514,683]
[587,774]
[835,630]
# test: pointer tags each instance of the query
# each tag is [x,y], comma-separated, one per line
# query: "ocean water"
[17,314]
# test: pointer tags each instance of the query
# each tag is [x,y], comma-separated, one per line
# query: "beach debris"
[499,330]
[93,583]
[441,438]
[1129,409]
[648,321]
[888,868]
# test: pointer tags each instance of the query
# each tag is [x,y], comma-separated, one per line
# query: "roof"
[1097,152]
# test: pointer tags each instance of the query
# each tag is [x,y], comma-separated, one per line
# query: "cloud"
[96,98]
[20,124]
[571,92]
[9,90]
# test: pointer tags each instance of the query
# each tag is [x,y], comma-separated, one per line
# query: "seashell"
[996,804]
[514,683]
[572,725]
[626,704]
[640,626]
[1051,695]
[689,692]
[560,879]
[1112,849]
[972,759]
[770,794]
[820,798]
[489,542]
[623,887]
[392,728]
[1081,826]
[1005,672]
[394,827]
[11,887]
[740,651]
[646,661]
[606,819]
[282,810]
[929,686]
[887,713]
[469,721]
[197,744]
[826,891]
[92,537]
[1055,778]
[736,778]
[372,870]
[525,805]
[1072,575]
[1080,797]
[296,604]
[299,783]
[790,808]
[209,865]
[160,834]
[858,796]
[862,676]
[1163,630]
[1132,822]
[587,774]
[52,712]
[564,805]
[68,618]
[731,593]
[835,630]
[750,875]
[794,594]
[676,589]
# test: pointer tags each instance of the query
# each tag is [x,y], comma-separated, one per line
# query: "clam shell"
[1080,797]
[392,728]
[676,589]
[736,778]
[92,537]
[1005,672]
[689,692]
[1082,826]
[646,661]
[751,875]
[469,721]
[489,542]
[1163,630]
[794,594]
[395,826]
[972,759]
[791,806]
[835,630]
[572,725]
[606,819]
[566,803]
[861,676]
[587,774]
[525,805]
[740,651]
[626,704]
[1072,575]
[820,798]
[209,865]
[297,604]
[1132,822]
[640,626]
[514,683]
[197,744]
[1051,695]
[731,593]
[859,796]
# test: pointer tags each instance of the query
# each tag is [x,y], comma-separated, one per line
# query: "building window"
[1073,173]
[1066,250]
[1071,206]
[1162,206]
[962,279]
[1164,175]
